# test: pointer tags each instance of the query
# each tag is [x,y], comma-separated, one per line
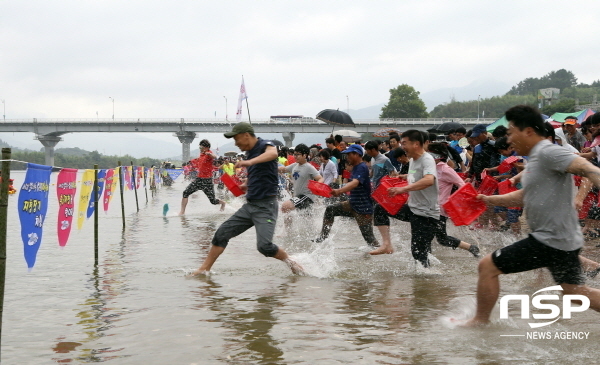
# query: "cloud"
[178,59]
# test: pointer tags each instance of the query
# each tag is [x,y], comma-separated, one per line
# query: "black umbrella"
[445,127]
[335,117]
[277,142]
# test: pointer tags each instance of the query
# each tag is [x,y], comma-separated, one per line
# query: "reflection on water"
[138,308]
[248,322]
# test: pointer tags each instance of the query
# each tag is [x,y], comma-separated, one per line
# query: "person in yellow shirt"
[228,167]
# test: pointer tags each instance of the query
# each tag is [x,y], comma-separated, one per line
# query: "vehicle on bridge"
[290,118]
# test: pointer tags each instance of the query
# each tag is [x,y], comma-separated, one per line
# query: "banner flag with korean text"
[174,173]
[66,187]
[157,177]
[110,180]
[85,191]
[33,205]
[243,96]
[116,181]
[128,182]
[92,204]
[139,176]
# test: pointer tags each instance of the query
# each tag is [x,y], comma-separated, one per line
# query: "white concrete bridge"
[48,131]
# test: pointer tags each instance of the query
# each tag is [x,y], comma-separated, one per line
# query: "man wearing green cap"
[261,208]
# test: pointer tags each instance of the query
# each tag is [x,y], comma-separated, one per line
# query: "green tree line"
[405,102]
[493,107]
[86,161]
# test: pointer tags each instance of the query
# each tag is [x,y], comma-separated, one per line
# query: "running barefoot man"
[360,204]
[204,179]
[382,166]
[422,209]
[261,207]
[555,239]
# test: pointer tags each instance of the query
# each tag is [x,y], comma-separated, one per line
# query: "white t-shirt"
[329,172]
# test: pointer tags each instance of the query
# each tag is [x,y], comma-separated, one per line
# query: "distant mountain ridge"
[139,145]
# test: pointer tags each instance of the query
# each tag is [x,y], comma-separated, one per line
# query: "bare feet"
[295,267]
[382,250]
[222,205]
[471,323]
[181,213]
[199,273]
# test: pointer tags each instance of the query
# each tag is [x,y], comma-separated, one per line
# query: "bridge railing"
[309,121]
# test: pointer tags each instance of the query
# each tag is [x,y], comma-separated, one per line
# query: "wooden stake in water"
[6,152]
[96,215]
[121,192]
[134,173]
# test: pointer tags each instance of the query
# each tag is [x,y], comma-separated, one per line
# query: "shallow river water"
[137,306]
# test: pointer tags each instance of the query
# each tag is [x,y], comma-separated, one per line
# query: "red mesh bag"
[506,187]
[320,189]
[488,186]
[463,207]
[507,164]
[231,185]
[391,204]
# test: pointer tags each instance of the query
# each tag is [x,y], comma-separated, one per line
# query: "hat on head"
[570,121]
[239,128]
[478,129]
[354,148]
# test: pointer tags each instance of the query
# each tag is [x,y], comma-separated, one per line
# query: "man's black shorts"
[529,254]
[302,202]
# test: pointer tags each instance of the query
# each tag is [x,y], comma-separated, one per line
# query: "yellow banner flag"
[85,192]
[115,184]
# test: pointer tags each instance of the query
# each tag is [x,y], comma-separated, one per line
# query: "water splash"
[320,262]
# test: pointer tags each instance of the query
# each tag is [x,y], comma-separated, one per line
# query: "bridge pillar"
[185,138]
[288,137]
[49,142]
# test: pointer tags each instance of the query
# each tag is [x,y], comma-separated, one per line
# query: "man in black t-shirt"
[333,151]
[261,208]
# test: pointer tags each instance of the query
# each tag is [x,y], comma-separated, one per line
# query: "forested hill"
[525,92]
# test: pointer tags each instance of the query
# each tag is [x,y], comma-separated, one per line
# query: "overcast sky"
[178,59]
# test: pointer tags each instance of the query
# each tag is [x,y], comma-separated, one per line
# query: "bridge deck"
[168,125]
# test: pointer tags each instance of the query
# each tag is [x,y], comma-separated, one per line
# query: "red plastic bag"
[320,189]
[463,207]
[392,204]
[231,185]
[488,186]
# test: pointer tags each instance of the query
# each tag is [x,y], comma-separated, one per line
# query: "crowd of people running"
[553,174]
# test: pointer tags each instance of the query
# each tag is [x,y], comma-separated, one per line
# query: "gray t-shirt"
[423,202]
[300,176]
[548,197]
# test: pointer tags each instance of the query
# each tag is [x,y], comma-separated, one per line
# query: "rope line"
[60,167]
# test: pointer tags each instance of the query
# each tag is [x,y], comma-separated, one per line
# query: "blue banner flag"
[101,176]
[174,173]
[33,205]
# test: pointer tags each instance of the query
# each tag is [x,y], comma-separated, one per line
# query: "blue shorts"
[512,215]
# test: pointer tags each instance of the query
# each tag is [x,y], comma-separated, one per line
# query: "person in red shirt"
[204,181]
